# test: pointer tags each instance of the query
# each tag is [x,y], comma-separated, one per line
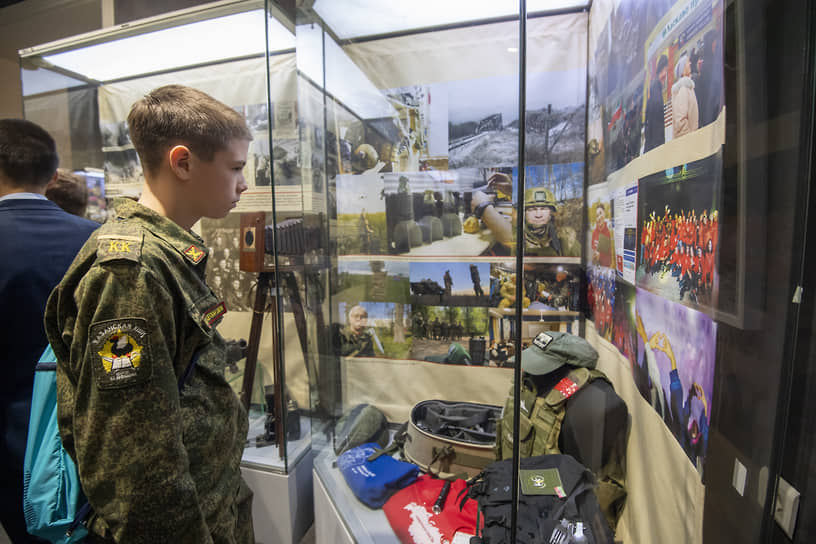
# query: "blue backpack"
[53,502]
[54,505]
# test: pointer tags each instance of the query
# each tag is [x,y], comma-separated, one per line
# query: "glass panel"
[415,125]
[86,110]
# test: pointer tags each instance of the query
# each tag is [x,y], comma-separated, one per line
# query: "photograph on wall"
[415,123]
[453,335]
[683,84]
[614,132]
[372,329]
[483,119]
[411,139]
[678,232]
[624,329]
[553,202]
[624,211]
[258,168]
[372,280]
[463,212]
[675,370]
[96,209]
[360,215]
[224,275]
[601,283]
[553,290]
[601,233]
[449,283]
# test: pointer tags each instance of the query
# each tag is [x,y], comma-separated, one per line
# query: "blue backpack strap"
[189,372]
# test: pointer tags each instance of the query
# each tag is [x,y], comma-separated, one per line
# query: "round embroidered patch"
[120,349]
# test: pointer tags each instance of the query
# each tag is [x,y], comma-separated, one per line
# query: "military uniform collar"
[186,242]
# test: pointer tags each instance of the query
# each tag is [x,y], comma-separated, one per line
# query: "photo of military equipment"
[449,283]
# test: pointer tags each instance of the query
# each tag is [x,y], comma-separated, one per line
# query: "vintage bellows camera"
[290,238]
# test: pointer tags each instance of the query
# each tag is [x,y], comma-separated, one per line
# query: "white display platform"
[339,516]
[282,509]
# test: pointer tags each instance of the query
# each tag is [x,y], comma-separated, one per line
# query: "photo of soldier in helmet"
[540,231]
[540,236]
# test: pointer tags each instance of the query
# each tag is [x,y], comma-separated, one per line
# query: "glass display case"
[259,256]
[424,110]
[441,191]
[635,203]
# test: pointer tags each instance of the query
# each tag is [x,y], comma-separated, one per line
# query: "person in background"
[39,242]
[654,124]
[145,408]
[69,192]
[685,115]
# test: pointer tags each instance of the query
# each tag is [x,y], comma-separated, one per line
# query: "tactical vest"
[540,428]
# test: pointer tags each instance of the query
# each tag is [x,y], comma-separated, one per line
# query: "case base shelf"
[282,508]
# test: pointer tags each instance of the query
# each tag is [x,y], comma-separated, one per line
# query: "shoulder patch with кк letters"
[112,247]
[120,351]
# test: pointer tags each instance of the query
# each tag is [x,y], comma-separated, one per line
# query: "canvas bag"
[53,502]
[451,439]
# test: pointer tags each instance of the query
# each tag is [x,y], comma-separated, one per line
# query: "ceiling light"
[202,42]
[373,17]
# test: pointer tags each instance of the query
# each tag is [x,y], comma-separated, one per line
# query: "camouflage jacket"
[355,345]
[156,464]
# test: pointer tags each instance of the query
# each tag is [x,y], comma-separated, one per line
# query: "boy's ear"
[180,158]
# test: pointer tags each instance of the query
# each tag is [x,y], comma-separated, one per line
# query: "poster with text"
[624,211]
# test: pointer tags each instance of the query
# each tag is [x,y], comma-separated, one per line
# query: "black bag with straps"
[547,513]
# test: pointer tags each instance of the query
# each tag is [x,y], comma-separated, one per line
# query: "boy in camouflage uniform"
[158,464]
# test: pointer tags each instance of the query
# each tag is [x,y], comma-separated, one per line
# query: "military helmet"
[539,196]
[364,158]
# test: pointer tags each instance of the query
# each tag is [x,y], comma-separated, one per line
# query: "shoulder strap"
[189,371]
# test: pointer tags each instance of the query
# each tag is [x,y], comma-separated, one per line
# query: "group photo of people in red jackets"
[681,245]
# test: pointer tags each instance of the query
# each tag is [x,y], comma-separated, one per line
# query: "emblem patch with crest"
[121,348]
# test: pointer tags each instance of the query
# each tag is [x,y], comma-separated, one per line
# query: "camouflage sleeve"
[119,407]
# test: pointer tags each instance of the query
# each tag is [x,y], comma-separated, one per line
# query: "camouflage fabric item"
[156,465]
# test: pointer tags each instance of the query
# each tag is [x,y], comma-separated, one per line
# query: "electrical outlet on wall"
[786,507]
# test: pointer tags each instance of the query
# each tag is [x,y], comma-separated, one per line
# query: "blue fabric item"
[373,482]
[52,496]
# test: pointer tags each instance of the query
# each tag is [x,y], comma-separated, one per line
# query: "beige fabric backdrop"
[665,502]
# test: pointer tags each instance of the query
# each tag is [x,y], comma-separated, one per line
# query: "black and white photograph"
[224,275]
[483,119]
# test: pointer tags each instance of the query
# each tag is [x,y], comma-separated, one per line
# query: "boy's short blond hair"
[179,115]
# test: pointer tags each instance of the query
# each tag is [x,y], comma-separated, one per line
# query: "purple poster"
[675,368]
